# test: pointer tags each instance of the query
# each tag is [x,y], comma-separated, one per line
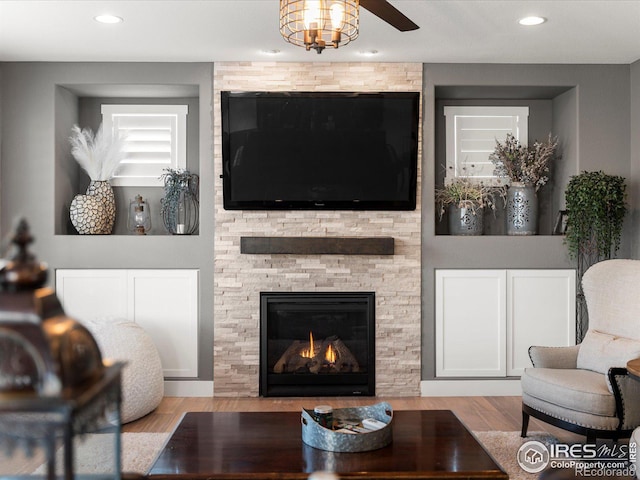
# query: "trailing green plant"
[462,192]
[596,207]
[525,164]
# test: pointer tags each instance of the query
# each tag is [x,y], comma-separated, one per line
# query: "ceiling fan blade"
[390,14]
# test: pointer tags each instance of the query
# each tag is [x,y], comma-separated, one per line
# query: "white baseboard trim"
[470,388]
[188,388]
[428,388]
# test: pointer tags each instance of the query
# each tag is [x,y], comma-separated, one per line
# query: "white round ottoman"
[635,440]
[142,377]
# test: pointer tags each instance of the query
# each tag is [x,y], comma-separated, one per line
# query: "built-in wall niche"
[81,104]
[552,109]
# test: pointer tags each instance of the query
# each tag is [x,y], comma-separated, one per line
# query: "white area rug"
[503,447]
[94,454]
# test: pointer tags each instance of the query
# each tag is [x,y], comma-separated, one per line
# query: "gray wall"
[565,126]
[42,103]
[595,118]
[1,245]
[591,114]
[67,172]
[634,175]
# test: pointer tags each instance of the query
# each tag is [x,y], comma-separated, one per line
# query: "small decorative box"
[317,436]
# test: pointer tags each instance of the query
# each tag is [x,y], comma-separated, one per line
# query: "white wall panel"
[470,323]
[163,302]
[541,310]
[486,320]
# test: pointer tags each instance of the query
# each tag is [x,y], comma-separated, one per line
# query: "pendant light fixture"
[316,24]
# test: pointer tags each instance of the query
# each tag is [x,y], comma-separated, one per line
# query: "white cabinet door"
[486,320]
[163,302]
[540,311]
[92,294]
[470,323]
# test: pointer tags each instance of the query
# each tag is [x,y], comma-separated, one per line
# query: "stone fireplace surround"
[239,278]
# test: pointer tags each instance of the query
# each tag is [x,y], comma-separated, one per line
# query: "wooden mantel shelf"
[318,245]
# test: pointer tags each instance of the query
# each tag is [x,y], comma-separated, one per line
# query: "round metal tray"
[317,436]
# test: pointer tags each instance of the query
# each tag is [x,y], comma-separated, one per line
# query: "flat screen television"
[319,150]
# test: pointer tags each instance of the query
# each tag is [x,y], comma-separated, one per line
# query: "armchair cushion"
[554,357]
[577,390]
[601,351]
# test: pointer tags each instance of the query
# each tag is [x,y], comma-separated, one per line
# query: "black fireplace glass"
[317,344]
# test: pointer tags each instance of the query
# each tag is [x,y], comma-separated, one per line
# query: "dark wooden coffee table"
[426,444]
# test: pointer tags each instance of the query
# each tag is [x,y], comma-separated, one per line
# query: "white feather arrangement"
[98,155]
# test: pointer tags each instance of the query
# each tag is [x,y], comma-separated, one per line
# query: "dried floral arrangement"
[528,165]
[99,155]
[177,184]
[177,181]
[464,192]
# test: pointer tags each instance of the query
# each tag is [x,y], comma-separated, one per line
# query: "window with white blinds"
[471,134]
[156,138]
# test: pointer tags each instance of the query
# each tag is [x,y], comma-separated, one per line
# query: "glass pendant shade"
[315,24]
[139,216]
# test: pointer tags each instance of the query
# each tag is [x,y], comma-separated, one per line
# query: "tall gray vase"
[463,221]
[522,209]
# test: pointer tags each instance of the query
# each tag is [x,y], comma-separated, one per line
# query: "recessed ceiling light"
[107,19]
[272,52]
[368,53]
[530,21]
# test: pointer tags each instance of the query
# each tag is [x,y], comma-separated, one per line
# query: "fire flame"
[312,351]
[309,352]
[330,355]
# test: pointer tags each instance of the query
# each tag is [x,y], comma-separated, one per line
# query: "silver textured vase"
[522,209]
[463,221]
[95,212]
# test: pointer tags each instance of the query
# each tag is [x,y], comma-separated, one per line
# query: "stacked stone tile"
[239,279]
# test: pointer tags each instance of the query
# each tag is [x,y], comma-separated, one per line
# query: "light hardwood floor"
[477,413]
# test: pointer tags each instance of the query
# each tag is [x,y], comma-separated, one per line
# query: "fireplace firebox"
[317,343]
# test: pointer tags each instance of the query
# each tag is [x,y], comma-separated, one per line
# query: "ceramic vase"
[95,212]
[463,221]
[522,209]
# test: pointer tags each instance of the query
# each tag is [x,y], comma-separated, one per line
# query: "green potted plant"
[465,200]
[596,207]
[180,207]
[527,168]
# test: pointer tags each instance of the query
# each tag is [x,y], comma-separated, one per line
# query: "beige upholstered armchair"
[586,388]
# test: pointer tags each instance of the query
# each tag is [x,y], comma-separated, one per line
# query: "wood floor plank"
[478,413]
